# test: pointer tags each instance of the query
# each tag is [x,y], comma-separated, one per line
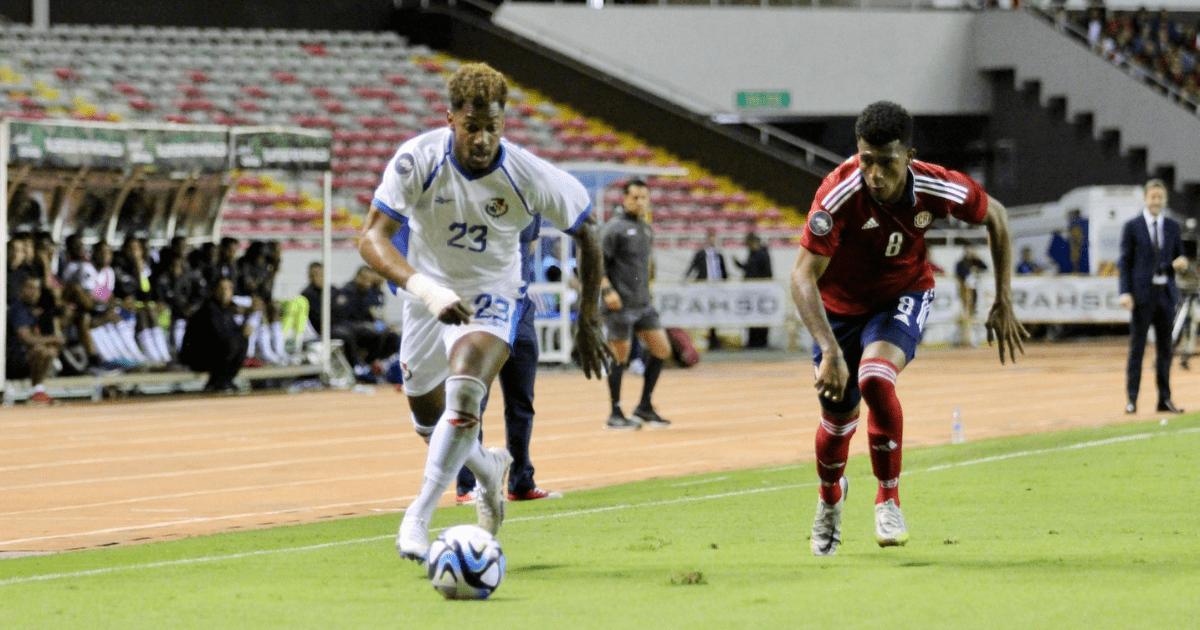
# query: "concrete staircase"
[1090,84]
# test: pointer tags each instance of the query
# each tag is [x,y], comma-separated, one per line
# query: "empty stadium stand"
[372,90]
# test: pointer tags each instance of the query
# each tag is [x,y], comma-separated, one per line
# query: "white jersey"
[463,231]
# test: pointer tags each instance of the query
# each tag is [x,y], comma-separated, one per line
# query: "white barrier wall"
[829,61]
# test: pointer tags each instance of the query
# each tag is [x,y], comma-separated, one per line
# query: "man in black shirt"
[365,337]
[625,290]
[757,266]
[214,341]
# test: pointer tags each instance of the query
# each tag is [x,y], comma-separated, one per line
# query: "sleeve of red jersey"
[820,230]
[975,207]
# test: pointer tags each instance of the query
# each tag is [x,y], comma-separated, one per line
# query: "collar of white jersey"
[472,176]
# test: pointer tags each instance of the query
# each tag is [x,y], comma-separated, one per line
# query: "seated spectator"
[215,342]
[357,321]
[135,302]
[20,257]
[253,272]
[74,256]
[255,278]
[1027,265]
[97,276]
[79,354]
[312,293]
[225,264]
[30,351]
[175,290]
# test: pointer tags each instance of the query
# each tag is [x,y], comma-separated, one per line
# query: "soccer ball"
[465,562]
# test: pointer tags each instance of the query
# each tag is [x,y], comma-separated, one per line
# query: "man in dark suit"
[709,265]
[1151,253]
[709,262]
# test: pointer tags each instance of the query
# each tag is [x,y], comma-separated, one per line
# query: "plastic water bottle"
[958,428]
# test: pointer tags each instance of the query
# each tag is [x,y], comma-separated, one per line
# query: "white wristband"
[436,297]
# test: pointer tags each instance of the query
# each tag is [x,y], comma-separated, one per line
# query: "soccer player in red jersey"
[863,284]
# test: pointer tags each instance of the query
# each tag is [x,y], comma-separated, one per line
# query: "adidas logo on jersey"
[871,223]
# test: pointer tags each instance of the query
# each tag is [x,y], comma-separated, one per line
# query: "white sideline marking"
[697,483]
[599,510]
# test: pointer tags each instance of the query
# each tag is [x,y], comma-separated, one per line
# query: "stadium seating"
[372,90]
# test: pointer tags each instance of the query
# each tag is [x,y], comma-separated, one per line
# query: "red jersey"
[877,252]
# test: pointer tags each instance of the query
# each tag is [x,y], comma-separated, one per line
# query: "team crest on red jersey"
[820,223]
[497,207]
[922,219]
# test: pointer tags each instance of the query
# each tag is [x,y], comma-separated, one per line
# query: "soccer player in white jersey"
[445,226]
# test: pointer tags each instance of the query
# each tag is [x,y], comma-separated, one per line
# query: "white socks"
[451,445]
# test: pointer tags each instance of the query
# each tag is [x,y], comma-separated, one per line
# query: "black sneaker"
[618,422]
[650,418]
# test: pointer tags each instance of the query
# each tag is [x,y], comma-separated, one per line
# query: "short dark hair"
[883,122]
[636,181]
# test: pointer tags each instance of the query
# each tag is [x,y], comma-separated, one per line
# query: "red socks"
[885,424]
[833,447]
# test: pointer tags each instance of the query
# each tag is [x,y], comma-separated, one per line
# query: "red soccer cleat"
[534,494]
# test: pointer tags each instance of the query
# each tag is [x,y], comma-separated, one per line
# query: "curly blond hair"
[478,84]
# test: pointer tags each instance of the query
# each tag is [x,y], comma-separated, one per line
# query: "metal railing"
[1134,70]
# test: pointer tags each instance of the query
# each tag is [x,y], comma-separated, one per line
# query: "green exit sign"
[779,99]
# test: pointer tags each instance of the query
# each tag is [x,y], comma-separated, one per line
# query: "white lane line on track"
[573,513]
[291,510]
[351,456]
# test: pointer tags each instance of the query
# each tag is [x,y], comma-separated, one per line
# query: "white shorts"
[425,342]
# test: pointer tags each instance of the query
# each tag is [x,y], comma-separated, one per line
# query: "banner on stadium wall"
[172,149]
[1038,299]
[706,304]
[166,148]
[280,148]
[46,145]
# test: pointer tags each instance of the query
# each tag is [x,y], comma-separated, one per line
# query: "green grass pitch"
[1094,528]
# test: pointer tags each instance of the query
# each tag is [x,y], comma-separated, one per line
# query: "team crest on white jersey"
[497,207]
[871,223]
[923,218]
[405,163]
[820,222]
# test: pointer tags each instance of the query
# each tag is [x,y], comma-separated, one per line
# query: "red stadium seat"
[194,105]
[141,103]
[255,91]
[67,74]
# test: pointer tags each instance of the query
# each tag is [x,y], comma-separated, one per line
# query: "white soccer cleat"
[489,507]
[890,530]
[413,540]
[827,526]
